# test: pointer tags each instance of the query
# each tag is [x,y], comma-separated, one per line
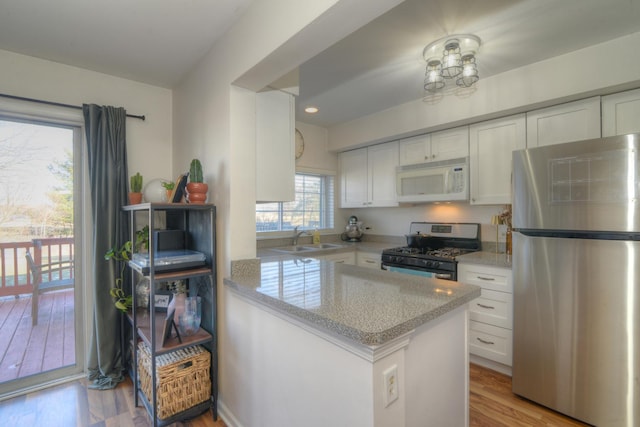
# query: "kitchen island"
[319,343]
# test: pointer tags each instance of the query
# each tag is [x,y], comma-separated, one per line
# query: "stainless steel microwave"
[442,181]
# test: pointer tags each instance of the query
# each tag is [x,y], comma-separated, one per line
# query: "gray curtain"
[106,146]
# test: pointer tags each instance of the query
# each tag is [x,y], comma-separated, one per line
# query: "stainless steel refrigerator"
[576,267]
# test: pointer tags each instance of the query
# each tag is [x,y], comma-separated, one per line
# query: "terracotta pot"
[135,198]
[197,192]
[169,192]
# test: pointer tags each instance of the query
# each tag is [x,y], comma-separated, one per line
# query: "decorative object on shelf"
[505,217]
[142,292]
[135,194]
[189,321]
[299,144]
[177,303]
[495,220]
[196,188]
[168,187]
[449,58]
[154,192]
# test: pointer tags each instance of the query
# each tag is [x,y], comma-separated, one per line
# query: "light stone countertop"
[486,258]
[367,306]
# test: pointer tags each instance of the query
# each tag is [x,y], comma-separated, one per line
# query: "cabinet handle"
[339,262]
[369,261]
[490,279]
[485,342]
[485,306]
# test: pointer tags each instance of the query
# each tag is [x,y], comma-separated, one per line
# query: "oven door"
[418,272]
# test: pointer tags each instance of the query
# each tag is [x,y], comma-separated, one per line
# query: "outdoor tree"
[62,194]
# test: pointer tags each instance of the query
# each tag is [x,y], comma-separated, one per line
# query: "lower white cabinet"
[340,257]
[368,259]
[490,315]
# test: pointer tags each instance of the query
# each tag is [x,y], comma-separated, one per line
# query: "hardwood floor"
[491,404]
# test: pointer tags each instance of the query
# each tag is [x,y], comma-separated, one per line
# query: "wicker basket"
[182,376]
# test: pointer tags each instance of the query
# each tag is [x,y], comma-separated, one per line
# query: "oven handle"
[445,276]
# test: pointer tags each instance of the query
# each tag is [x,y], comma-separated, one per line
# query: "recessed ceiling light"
[311,110]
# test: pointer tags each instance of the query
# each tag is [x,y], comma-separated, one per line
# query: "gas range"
[444,243]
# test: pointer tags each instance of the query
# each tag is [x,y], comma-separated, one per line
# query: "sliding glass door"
[40,290]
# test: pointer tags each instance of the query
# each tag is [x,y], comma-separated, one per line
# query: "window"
[313,207]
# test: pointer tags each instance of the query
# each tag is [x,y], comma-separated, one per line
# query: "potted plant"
[122,301]
[135,194]
[169,186]
[196,188]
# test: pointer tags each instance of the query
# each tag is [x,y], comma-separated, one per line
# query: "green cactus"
[195,171]
[136,183]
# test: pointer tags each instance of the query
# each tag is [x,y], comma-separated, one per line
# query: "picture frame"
[166,328]
[161,299]
[178,193]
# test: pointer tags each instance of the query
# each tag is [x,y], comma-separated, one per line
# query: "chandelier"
[452,58]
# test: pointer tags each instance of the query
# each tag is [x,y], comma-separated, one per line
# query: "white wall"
[576,75]
[268,41]
[316,149]
[148,142]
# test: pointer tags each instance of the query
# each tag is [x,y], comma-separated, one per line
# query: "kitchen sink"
[292,249]
[324,246]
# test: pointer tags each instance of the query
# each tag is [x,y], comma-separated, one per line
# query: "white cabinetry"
[448,144]
[368,259]
[275,157]
[573,121]
[490,146]
[340,257]
[490,315]
[368,176]
[621,113]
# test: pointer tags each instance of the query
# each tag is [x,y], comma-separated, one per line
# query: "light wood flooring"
[491,404]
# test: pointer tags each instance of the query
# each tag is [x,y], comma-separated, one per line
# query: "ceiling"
[150,41]
[376,67]
[381,65]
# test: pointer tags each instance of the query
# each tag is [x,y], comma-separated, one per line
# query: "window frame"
[288,233]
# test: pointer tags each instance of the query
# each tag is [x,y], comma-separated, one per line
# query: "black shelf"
[198,220]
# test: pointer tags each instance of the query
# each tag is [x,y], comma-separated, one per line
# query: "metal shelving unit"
[198,220]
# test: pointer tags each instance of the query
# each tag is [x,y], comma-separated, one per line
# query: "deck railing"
[14,274]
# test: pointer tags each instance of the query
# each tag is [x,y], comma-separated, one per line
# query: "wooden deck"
[27,350]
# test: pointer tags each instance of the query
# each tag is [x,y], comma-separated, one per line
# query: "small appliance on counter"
[354,230]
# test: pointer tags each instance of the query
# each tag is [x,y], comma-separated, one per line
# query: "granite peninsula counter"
[367,306]
[312,342]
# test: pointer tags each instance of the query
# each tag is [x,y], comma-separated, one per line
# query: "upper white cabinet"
[621,113]
[444,145]
[367,176]
[490,146]
[573,121]
[275,138]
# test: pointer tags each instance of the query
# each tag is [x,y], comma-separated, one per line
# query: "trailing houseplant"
[135,194]
[196,188]
[122,254]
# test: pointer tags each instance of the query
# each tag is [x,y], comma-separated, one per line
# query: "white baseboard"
[490,364]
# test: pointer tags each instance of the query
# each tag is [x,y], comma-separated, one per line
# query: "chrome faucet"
[297,234]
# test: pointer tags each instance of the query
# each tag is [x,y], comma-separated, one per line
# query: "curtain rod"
[58,104]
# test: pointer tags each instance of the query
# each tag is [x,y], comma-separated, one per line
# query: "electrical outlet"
[390,381]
